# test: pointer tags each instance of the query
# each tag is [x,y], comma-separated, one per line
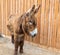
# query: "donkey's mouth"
[34,32]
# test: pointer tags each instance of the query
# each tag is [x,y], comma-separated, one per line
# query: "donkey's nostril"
[34,34]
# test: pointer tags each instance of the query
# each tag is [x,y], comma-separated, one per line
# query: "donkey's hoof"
[21,51]
[15,53]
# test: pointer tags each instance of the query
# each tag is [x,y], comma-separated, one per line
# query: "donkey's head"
[31,21]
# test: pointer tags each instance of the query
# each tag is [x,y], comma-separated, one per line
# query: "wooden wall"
[48,19]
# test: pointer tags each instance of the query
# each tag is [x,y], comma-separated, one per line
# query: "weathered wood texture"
[48,19]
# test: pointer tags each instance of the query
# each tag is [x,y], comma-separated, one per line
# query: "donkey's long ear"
[36,10]
[30,10]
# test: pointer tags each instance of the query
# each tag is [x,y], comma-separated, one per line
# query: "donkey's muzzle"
[34,32]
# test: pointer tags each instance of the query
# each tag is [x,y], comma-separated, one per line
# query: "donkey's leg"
[16,47]
[12,38]
[21,46]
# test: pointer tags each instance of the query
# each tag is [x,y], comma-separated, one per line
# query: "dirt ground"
[7,48]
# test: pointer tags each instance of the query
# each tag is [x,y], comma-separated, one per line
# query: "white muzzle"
[34,32]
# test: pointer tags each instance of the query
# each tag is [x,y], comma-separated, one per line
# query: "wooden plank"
[42,22]
[11,7]
[0,17]
[58,27]
[21,7]
[24,6]
[58,34]
[14,6]
[4,17]
[18,6]
[50,21]
[53,44]
[47,6]
[2,14]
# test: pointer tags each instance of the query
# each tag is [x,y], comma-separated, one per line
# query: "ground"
[7,48]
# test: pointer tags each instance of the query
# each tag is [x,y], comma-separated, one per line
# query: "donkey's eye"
[30,23]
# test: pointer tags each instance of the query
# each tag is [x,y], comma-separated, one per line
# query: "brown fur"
[14,25]
[19,25]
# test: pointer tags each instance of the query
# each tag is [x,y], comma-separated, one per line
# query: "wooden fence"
[48,19]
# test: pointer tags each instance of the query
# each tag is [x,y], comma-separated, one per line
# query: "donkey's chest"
[20,38]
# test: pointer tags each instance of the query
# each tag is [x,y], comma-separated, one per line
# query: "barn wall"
[48,19]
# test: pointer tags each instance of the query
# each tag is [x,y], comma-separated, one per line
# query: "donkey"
[21,25]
